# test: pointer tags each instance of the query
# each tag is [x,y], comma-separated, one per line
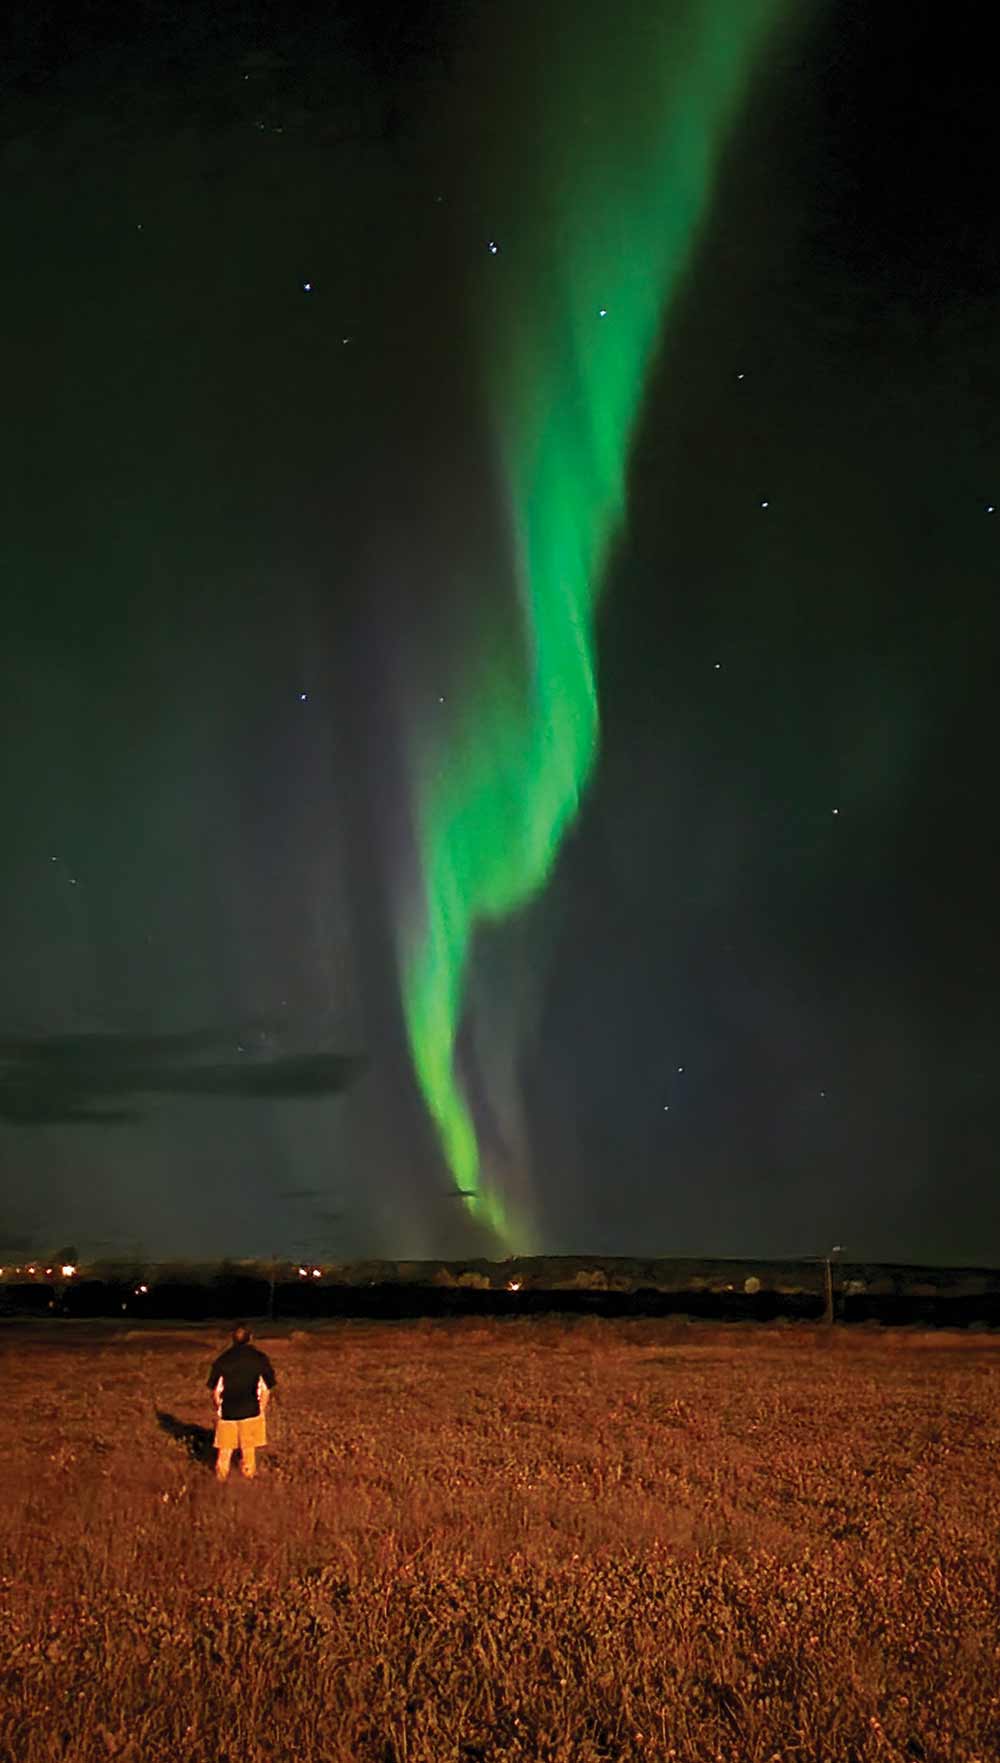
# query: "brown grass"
[536,1541]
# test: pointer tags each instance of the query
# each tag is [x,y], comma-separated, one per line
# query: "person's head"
[241,1334]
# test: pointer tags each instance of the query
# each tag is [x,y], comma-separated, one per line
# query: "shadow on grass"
[197,1440]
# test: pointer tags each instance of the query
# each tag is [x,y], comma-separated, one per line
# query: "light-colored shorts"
[230,1434]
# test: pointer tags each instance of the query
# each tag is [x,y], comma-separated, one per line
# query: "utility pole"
[828,1283]
[272,1297]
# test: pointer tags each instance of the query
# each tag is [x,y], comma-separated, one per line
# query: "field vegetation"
[549,1541]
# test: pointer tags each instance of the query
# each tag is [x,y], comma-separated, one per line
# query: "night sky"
[254,554]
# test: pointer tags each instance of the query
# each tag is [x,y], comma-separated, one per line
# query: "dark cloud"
[65,1079]
[18,1108]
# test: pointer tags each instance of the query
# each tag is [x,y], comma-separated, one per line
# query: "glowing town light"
[139,1290]
[514,1285]
[67,1270]
[317,1273]
[303,1273]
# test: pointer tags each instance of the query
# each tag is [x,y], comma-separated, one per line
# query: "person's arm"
[214,1382]
[265,1382]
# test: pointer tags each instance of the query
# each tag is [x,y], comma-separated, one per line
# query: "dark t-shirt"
[240,1367]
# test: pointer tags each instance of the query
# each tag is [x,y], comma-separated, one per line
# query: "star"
[307,287]
[302,697]
[602,312]
[493,247]
[765,504]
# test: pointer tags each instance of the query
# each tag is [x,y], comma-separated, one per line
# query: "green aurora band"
[620,121]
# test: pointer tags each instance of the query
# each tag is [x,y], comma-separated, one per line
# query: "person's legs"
[226,1440]
[252,1437]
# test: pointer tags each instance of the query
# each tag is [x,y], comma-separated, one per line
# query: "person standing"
[241,1381]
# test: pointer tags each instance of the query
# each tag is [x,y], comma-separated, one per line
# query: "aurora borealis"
[611,196]
[498,570]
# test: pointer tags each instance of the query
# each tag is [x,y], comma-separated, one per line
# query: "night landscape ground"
[551,1540]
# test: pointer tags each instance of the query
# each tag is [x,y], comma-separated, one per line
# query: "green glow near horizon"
[610,195]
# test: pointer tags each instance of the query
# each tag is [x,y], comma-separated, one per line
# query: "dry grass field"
[556,1542]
